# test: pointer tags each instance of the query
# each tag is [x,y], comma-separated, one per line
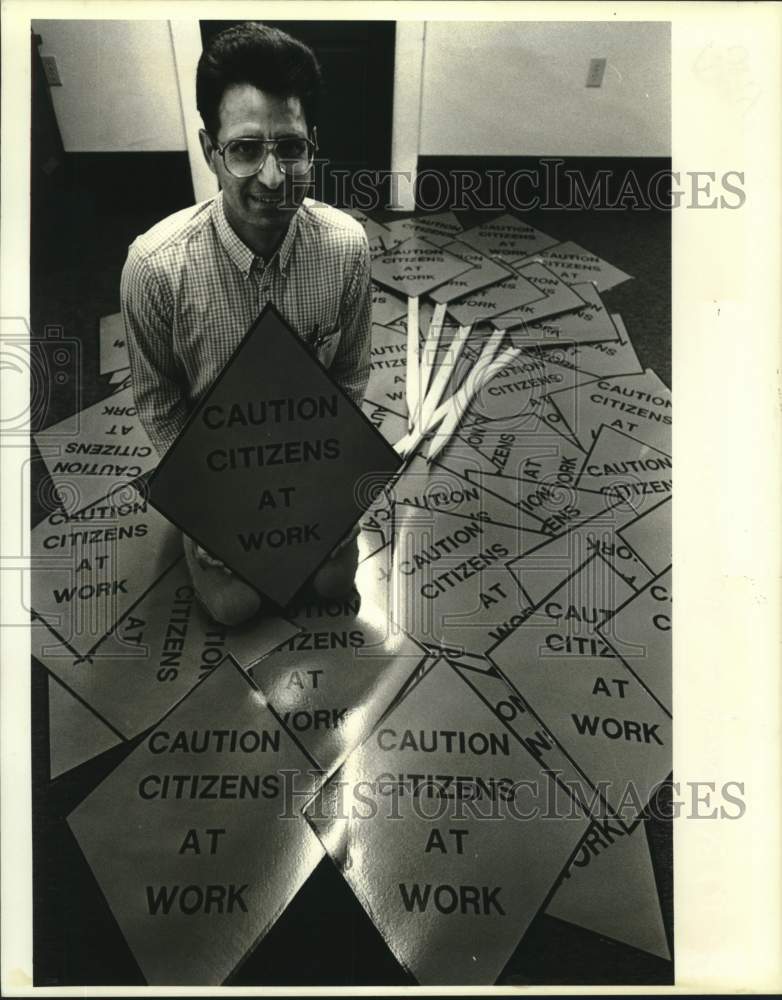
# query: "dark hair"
[265,57]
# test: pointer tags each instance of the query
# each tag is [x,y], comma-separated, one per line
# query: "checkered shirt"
[191,289]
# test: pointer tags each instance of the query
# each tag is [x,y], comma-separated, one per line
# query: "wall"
[119,90]
[486,89]
[518,88]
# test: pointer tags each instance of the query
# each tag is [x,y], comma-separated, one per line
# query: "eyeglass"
[245,157]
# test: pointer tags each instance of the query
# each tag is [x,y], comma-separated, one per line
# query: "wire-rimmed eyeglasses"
[244,157]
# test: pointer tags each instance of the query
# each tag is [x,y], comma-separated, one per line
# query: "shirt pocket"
[325,345]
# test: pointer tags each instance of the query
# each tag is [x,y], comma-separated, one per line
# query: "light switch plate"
[597,68]
[52,71]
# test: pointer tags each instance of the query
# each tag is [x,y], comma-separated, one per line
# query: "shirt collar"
[242,256]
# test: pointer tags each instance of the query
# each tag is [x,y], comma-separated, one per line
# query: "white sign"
[101,447]
[451,891]
[196,838]
[599,712]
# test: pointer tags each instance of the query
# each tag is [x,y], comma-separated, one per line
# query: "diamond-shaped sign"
[332,681]
[485,271]
[610,888]
[637,404]
[430,824]
[437,229]
[620,465]
[554,297]
[387,369]
[509,706]
[516,453]
[599,712]
[484,303]
[391,425]
[386,307]
[275,464]
[589,323]
[88,568]
[434,487]
[520,388]
[416,266]
[507,236]
[98,449]
[573,264]
[448,584]
[196,839]
[611,357]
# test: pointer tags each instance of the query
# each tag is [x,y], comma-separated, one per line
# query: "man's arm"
[147,311]
[350,366]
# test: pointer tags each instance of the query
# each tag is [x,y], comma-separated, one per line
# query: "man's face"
[264,202]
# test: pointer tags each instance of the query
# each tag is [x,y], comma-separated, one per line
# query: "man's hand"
[353,533]
[205,560]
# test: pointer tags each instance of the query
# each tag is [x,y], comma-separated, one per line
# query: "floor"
[79,249]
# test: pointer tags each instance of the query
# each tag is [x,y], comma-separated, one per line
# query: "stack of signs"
[473,734]
[573,435]
[244,478]
[474,289]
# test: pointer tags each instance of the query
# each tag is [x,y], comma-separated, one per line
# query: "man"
[194,283]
